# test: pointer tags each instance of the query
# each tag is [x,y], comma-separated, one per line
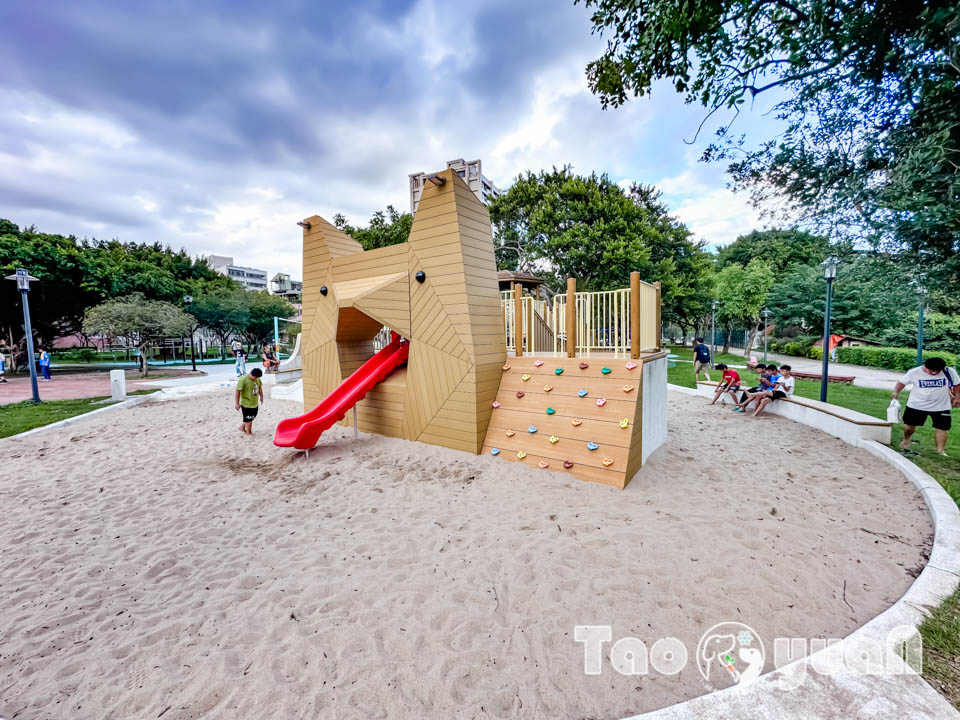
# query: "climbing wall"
[576,415]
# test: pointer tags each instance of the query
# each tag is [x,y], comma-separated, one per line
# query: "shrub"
[891,358]
[815,353]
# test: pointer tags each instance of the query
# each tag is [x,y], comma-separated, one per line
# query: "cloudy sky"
[215,126]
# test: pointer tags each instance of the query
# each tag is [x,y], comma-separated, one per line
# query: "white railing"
[382,339]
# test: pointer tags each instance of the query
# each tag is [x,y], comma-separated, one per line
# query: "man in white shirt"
[783,388]
[936,389]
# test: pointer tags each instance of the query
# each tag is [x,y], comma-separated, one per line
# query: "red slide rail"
[304,431]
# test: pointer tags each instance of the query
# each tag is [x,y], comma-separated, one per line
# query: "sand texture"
[157,563]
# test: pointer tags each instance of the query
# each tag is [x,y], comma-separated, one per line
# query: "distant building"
[281,284]
[472,175]
[250,278]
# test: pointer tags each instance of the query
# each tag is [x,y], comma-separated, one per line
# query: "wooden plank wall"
[599,424]
[452,319]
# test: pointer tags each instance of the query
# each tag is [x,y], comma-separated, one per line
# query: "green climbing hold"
[606,370]
[550,411]
[559,371]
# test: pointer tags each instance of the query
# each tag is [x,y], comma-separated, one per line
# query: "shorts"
[778,395]
[940,419]
[698,366]
[248,413]
[729,388]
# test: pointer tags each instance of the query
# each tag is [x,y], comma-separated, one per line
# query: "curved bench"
[848,425]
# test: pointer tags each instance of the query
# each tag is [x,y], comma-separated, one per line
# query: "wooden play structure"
[414,338]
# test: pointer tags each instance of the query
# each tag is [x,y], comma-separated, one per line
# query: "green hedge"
[890,358]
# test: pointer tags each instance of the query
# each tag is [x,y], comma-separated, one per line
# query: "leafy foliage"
[386,228]
[785,249]
[868,93]
[75,275]
[140,320]
[940,332]
[742,292]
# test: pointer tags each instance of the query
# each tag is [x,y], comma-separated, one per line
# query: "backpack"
[703,353]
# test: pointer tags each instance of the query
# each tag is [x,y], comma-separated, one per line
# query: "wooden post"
[571,317]
[518,319]
[634,315]
[658,326]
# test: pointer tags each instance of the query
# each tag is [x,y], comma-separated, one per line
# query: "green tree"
[223,311]
[940,332]
[138,320]
[742,292]
[869,297]
[782,248]
[564,225]
[385,228]
[682,266]
[262,307]
[868,93]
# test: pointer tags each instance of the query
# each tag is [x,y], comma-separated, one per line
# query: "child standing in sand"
[249,389]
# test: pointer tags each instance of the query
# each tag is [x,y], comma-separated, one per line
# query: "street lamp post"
[829,273]
[921,288]
[187,299]
[766,318]
[23,279]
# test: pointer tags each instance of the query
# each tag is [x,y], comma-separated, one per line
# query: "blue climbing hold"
[582,393]
[494,451]
[592,446]
[532,429]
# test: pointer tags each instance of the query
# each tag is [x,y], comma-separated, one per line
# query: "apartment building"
[250,278]
[472,175]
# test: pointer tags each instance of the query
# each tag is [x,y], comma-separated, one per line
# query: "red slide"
[303,432]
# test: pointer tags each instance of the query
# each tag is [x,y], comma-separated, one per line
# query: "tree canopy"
[138,319]
[868,94]
[77,274]
[385,228]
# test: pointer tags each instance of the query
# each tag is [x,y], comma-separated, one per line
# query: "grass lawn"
[20,417]
[941,631]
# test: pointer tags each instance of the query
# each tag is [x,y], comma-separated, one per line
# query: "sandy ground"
[157,563]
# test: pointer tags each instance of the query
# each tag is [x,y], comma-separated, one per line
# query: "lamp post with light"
[829,273]
[714,304]
[921,289]
[766,319]
[23,279]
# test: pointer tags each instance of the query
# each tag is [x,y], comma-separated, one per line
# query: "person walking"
[3,367]
[241,364]
[701,360]
[936,389]
[45,364]
[249,390]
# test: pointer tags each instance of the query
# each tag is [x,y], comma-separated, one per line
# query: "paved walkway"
[67,385]
[869,377]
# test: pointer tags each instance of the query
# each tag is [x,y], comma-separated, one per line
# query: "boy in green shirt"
[248,388]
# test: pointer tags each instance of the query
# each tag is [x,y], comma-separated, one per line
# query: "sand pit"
[157,563]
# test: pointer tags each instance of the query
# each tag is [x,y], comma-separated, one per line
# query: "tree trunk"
[142,358]
[726,340]
[748,343]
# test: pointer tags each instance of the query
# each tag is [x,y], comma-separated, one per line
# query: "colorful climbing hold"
[607,462]
[525,377]
[496,403]
[543,464]
[576,422]
[628,388]
[582,393]
[631,365]
[510,433]
[538,363]
[494,451]
[554,439]
[592,446]
[506,367]
[532,429]
[583,366]
[521,454]
[547,388]
[625,422]
[567,464]
[601,402]
[550,411]
[519,394]
[606,370]
[558,371]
